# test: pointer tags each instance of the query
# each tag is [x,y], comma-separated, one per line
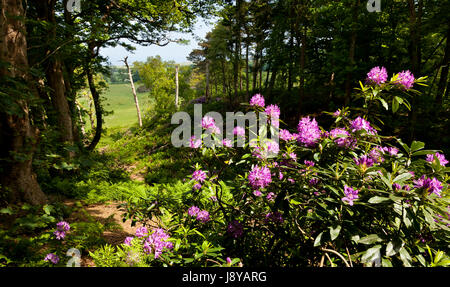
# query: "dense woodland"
[308,57]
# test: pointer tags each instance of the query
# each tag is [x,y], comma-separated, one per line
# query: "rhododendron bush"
[341,196]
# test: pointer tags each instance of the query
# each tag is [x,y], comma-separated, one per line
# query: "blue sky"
[172,51]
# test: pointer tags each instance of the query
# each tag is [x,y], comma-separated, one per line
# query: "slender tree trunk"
[302,64]
[207,95]
[80,118]
[224,78]
[443,80]
[98,109]
[255,69]
[261,65]
[247,73]
[136,102]
[351,52]
[290,65]
[17,135]
[414,31]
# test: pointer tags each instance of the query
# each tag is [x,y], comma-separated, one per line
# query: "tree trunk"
[414,32]
[302,65]
[207,81]
[98,110]
[136,102]
[17,137]
[443,80]
[247,73]
[56,82]
[351,52]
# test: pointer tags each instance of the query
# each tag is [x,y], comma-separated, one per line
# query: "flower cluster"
[209,124]
[431,185]
[61,228]
[239,131]
[157,242]
[342,138]
[259,177]
[440,157]
[405,79]
[364,161]
[361,124]
[52,258]
[377,75]
[257,100]
[195,143]
[141,231]
[350,195]
[308,132]
[286,135]
[201,215]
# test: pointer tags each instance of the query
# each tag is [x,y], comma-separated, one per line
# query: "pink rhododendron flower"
[203,216]
[227,143]
[239,131]
[128,240]
[193,210]
[259,177]
[199,175]
[431,185]
[350,195]
[141,231]
[377,75]
[52,258]
[440,157]
[406,79]
[308,132]
[286,135]
[257,100]
[273,111]
[361,124]
[195,143]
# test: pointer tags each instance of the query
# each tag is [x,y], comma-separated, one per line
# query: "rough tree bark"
[136,102]
[17,136]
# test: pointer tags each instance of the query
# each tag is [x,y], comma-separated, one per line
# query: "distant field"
[119,99]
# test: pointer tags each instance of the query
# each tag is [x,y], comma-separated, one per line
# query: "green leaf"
[392,248]
[416,145]
[378,199]
[402,177]
[386,262]
[48,209]
[383,102]
[6,210]
[334,231]
[318,239]
[371,254]
[395,105]
[370,239]
[405,257]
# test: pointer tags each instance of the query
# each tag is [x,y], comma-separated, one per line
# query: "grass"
[118,99]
